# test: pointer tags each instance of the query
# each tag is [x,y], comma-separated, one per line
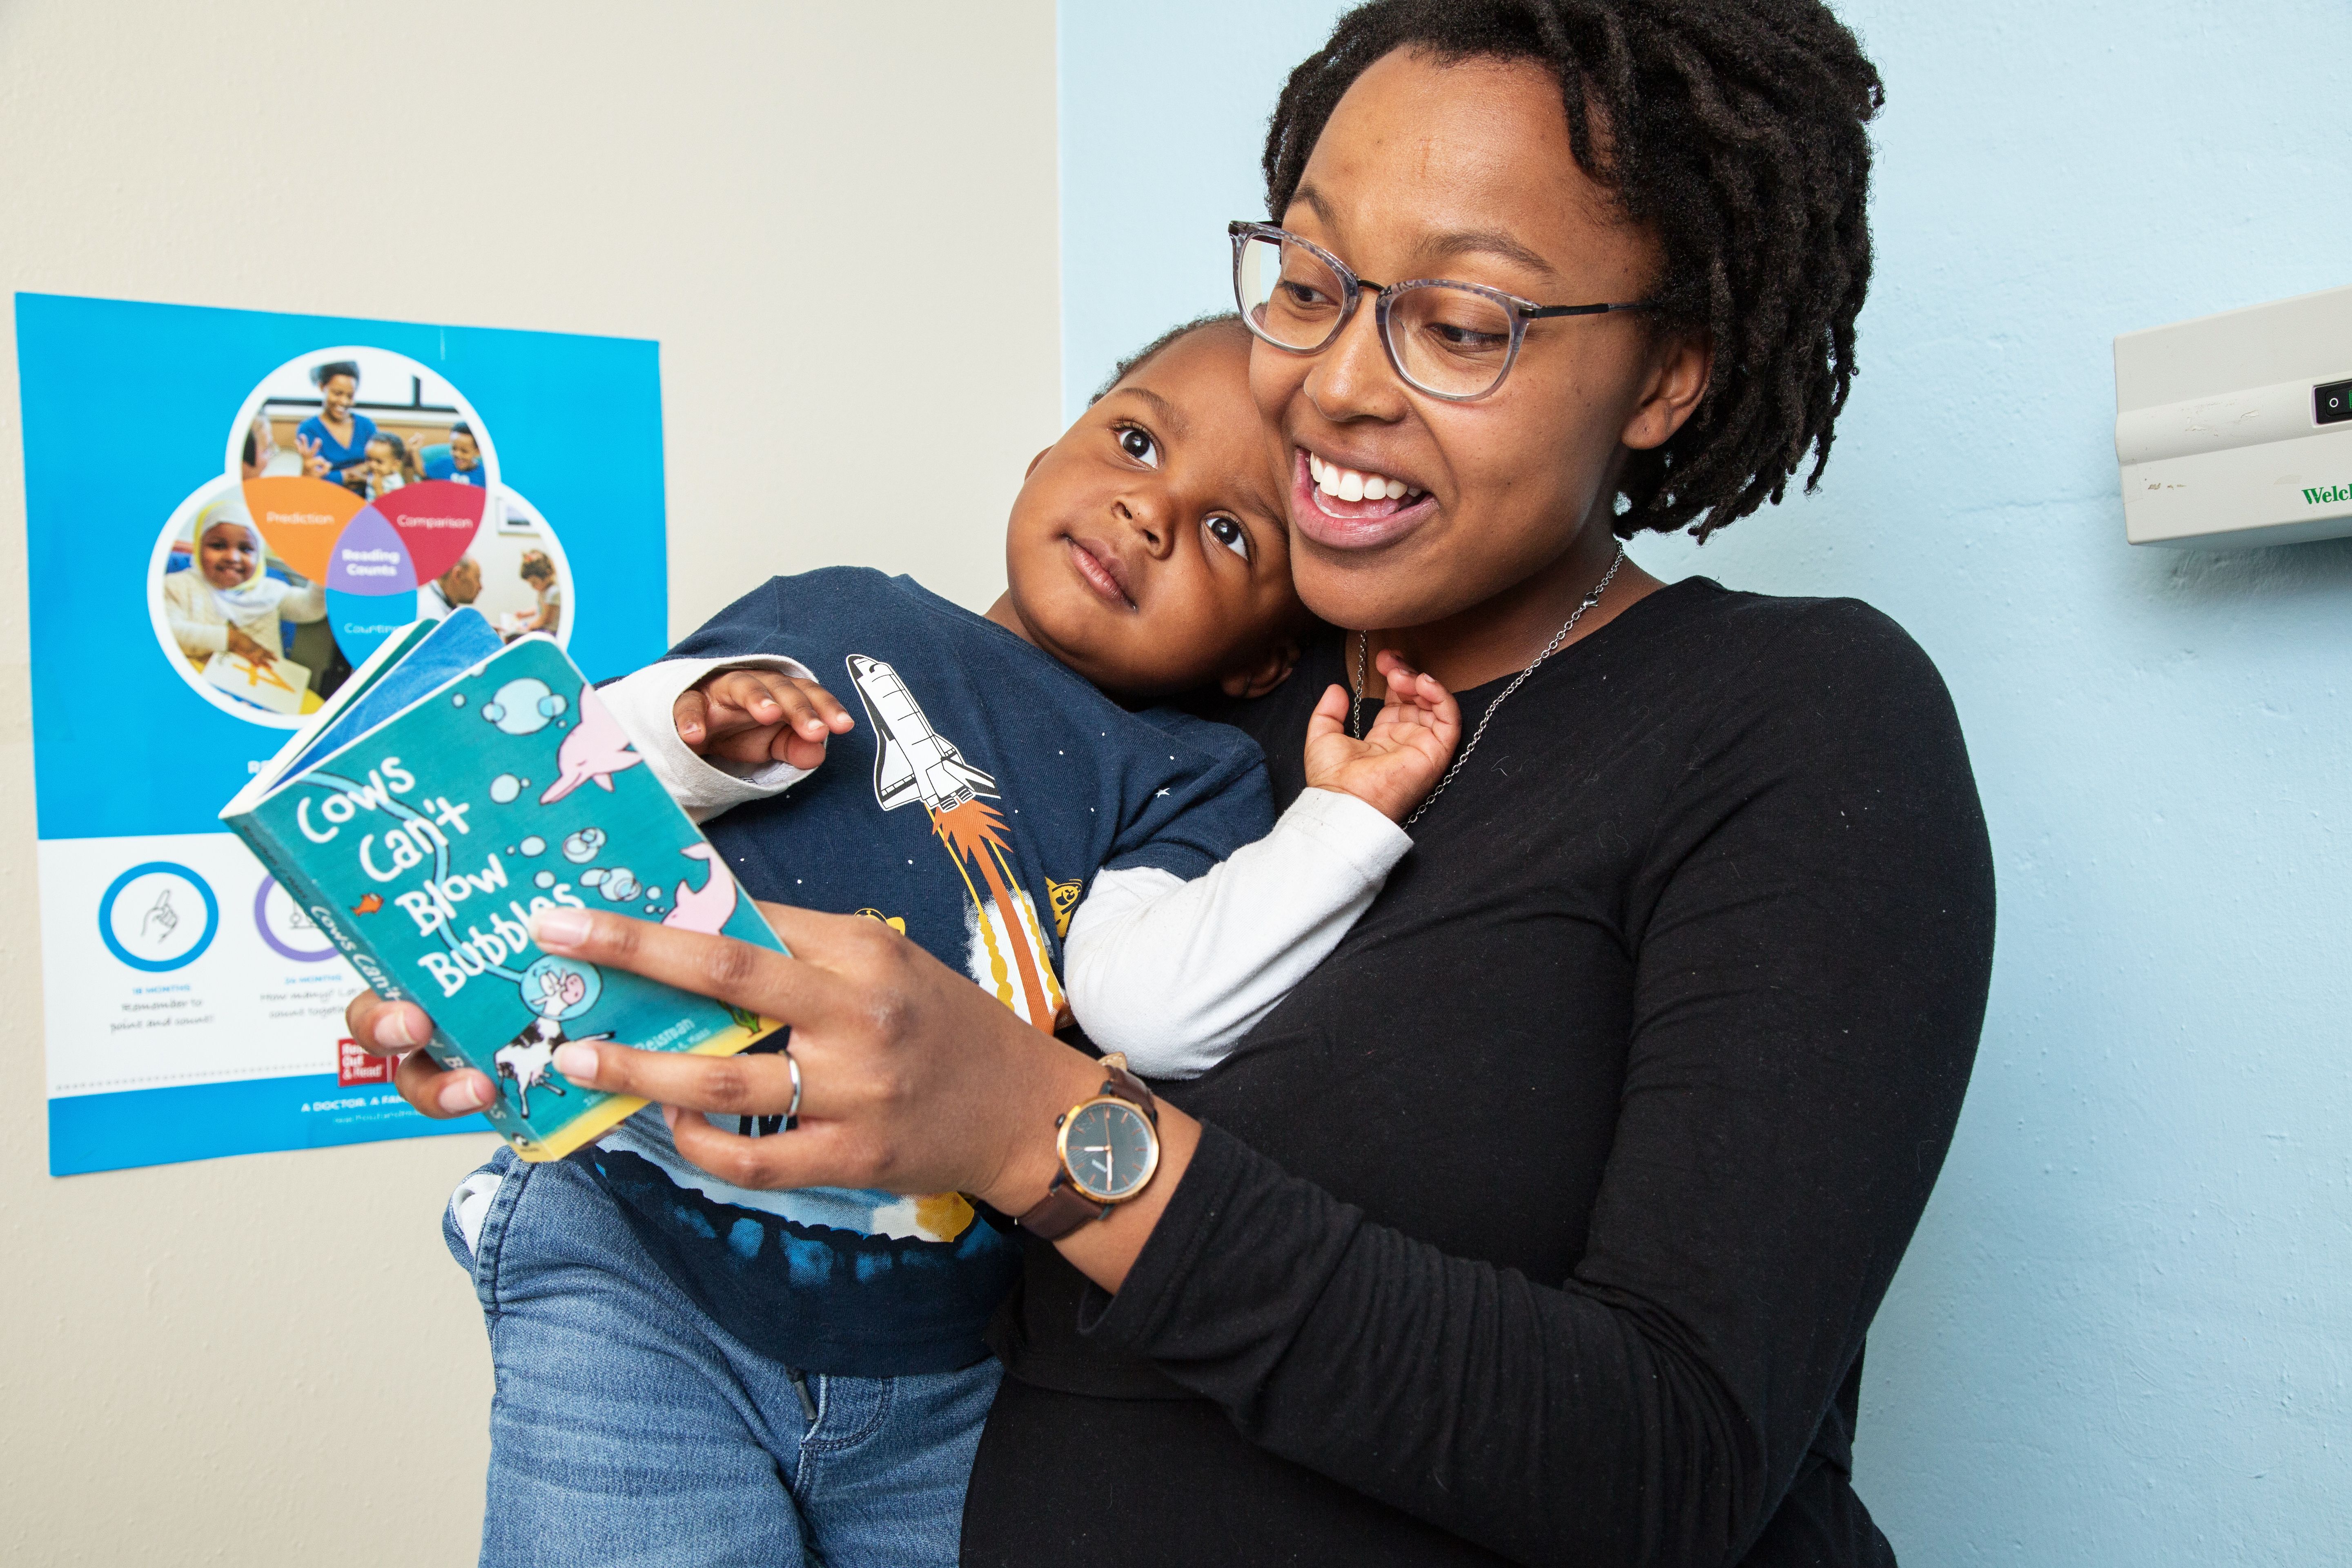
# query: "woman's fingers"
[385,1028]
[752,1084]
[438,1091]
[397,1028]
[812,1154]
[783,988]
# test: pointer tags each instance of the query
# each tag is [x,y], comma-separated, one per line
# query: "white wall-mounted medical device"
[2236,429]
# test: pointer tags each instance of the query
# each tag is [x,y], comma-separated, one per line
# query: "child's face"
[1147,549]
[462,450]
[230,555]
[380,457]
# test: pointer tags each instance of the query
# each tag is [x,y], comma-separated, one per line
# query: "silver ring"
[793,1111]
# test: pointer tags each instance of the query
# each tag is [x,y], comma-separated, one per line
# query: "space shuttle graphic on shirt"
[911,760]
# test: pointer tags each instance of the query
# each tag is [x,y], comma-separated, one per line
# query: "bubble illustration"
[504,789]
[544,879]
[655,894]
[534,845]
[552,705]
[591,877]
[581,846]
[520,707]
[458,700]
[561,988]
[620,885]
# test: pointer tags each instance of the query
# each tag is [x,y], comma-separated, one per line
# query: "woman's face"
[338,394]
[229,554]
[1465,172]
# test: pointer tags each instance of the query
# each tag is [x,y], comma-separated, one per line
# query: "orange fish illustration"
[368,905]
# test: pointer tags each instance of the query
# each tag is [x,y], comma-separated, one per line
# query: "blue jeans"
[629,1428]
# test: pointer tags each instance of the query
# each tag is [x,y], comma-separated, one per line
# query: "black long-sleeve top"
[1544,1222]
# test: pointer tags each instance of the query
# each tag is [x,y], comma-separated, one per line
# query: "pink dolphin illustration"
[596,749]
[705,908]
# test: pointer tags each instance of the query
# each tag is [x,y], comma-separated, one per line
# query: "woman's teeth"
[1347,484]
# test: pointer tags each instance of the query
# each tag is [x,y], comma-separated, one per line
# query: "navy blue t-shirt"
[983,787]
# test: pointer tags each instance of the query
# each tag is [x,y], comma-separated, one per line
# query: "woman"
[334,441]
[227,602]
[1544,1222]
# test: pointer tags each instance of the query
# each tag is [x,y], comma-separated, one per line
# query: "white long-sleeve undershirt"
[1171,972]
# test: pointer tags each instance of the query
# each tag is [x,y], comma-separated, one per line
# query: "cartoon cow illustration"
[528,1058]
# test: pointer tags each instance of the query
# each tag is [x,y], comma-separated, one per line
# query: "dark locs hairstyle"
[1167,339]
[1734,130]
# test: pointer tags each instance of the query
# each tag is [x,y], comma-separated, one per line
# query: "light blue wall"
[2124,1334]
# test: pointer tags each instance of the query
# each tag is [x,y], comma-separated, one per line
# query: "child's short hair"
[1167,339]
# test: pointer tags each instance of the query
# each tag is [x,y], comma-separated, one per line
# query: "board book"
[455,785]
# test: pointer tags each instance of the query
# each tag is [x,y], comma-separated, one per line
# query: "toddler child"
[388,466]
[787,1376]
[227,602]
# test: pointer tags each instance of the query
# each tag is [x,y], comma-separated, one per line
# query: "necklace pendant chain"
[1363,642]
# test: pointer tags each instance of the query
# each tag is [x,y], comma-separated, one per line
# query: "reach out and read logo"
[2328,495]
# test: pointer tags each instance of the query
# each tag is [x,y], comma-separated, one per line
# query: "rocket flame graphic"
[913,762]
[973,832]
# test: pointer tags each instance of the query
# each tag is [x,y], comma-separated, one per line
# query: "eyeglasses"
[1453,341]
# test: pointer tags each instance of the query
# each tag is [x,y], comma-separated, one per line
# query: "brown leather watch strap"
[1127,1087]
[1064,1208]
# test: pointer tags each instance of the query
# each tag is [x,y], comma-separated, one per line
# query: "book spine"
[286,869]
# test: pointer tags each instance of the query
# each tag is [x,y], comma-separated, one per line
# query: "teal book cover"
[421,829]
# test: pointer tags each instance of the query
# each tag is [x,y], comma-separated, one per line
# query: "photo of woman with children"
[251,629]
[370,449]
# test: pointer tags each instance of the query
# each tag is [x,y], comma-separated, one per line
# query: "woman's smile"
[1352,509]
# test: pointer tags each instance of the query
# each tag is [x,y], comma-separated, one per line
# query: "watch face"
[1110,1150]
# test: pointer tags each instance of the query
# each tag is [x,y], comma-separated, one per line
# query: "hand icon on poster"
[161,920]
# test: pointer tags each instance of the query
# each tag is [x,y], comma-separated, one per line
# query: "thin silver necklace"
[1363,642]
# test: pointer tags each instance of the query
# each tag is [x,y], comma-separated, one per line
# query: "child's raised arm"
[1401,757]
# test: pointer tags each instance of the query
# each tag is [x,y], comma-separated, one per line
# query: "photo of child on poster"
[359,492]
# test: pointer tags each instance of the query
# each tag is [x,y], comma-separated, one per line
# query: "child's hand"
[252,651]
[758,716]
[1401,757]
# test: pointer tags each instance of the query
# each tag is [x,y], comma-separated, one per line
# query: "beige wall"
[271,1359]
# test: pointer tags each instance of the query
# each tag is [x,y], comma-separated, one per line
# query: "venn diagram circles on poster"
[359,490]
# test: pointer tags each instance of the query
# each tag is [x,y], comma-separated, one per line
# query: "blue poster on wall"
[226,512]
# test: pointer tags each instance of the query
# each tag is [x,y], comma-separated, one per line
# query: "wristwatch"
[1109,1147]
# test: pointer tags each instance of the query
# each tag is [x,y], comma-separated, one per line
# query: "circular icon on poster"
[158,916]
[360,492]
[290,933]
